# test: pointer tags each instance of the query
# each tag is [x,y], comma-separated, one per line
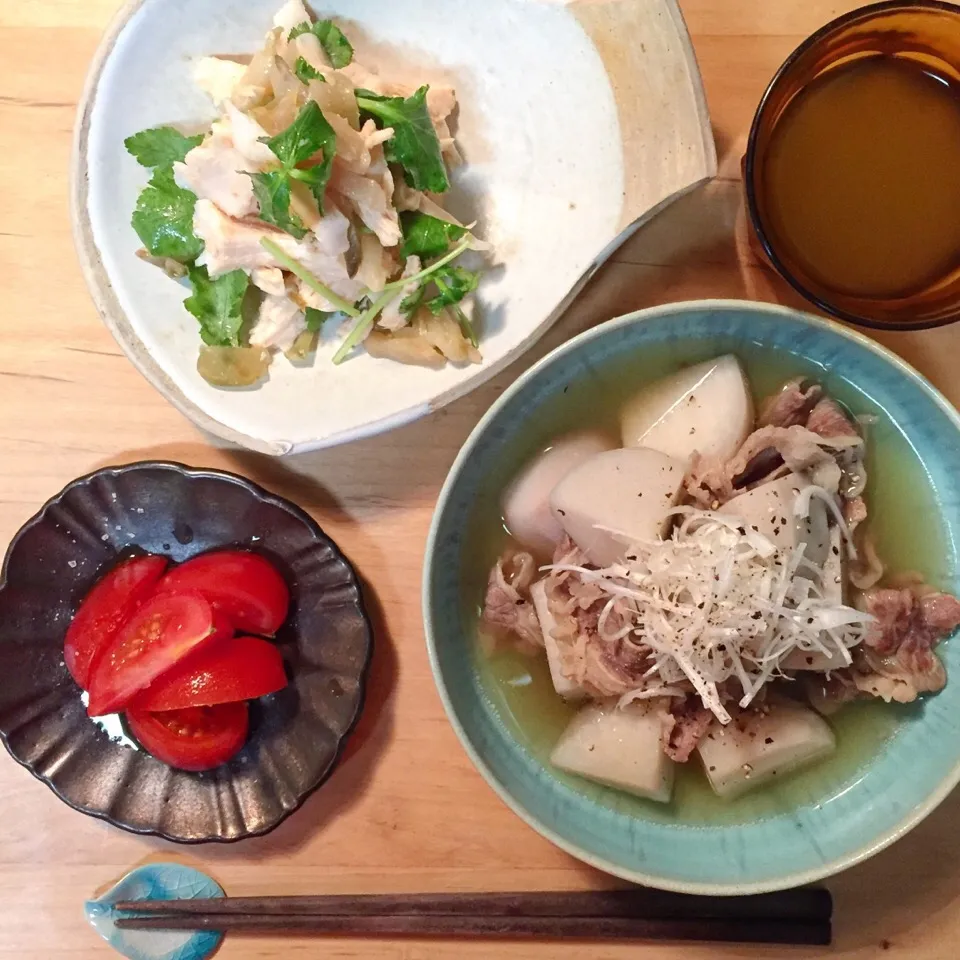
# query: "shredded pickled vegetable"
[720,602]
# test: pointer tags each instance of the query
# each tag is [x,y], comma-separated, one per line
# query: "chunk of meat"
[790,405]
[828,420]
[247,136]
[232,244]
[854,513]
[507,606]
[367,197]
[713,482]
[279,322]
[897,661]
[593,651]
[269,280]
[332,230]
[216,171]
[441,102]
[940,612]
[683,727]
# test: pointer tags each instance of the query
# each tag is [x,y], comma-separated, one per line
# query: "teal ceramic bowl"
[800,831]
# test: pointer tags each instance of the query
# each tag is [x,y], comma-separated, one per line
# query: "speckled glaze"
[914,771]
[296,734]
[156,881]
[540,196]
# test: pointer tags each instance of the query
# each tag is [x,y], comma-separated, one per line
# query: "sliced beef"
[828,420]
[683,727]
[790,405]
[507,606]
[712,482]
[897,661]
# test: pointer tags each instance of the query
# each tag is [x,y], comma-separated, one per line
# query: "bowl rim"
[264,496]
[115,318]
[766,311]
[750,161]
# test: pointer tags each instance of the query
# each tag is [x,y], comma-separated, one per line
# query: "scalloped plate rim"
[262,494]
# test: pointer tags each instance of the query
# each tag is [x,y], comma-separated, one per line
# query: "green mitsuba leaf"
[163,218]
[335,45]
[414,144]
[272,191]
[316,319]
[160,146]
[426,236]
[218,305]
[305,72]
[453,284]
[309,134]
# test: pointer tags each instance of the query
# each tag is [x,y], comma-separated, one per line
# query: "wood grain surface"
[405,811]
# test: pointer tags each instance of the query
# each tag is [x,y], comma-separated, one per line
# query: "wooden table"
[405,810]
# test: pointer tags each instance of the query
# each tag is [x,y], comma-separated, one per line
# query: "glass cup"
[927,31]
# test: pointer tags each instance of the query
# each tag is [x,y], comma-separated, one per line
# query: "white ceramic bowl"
[577,122]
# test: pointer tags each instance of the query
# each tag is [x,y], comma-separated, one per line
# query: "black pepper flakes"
[768,740]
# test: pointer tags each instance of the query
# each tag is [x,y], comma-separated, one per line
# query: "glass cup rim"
[750,161]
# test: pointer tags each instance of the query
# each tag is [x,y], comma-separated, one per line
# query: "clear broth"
[903,522]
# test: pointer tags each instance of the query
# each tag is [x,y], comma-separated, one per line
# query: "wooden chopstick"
[756,930]
[793,916]
[807,903]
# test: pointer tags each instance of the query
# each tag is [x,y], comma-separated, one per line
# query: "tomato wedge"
[237,668]
[112,600]
[198,738]
[160,634]
[245,586]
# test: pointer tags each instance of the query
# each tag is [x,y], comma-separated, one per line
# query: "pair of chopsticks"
[789,917]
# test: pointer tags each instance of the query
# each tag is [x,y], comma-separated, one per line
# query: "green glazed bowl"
[820,825]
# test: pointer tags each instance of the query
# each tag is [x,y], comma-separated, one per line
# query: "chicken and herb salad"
[315,198]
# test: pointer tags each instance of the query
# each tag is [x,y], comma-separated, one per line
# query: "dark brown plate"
[296,735]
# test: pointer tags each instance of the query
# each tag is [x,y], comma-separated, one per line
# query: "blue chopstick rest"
[156,881]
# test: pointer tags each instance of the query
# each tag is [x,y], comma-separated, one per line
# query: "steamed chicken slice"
[620,748]
[628,491]
[216,171]
[568,688]
[232,244]
[758,747]
[279,323]
[526,502]
[372,203]
[705,409]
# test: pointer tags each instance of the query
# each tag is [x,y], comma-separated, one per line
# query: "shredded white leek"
[719,602]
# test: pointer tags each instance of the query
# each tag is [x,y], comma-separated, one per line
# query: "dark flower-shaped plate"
[296,735]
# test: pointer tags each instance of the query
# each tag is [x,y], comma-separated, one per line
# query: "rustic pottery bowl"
[808,827]
[577,121]
[296,734]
